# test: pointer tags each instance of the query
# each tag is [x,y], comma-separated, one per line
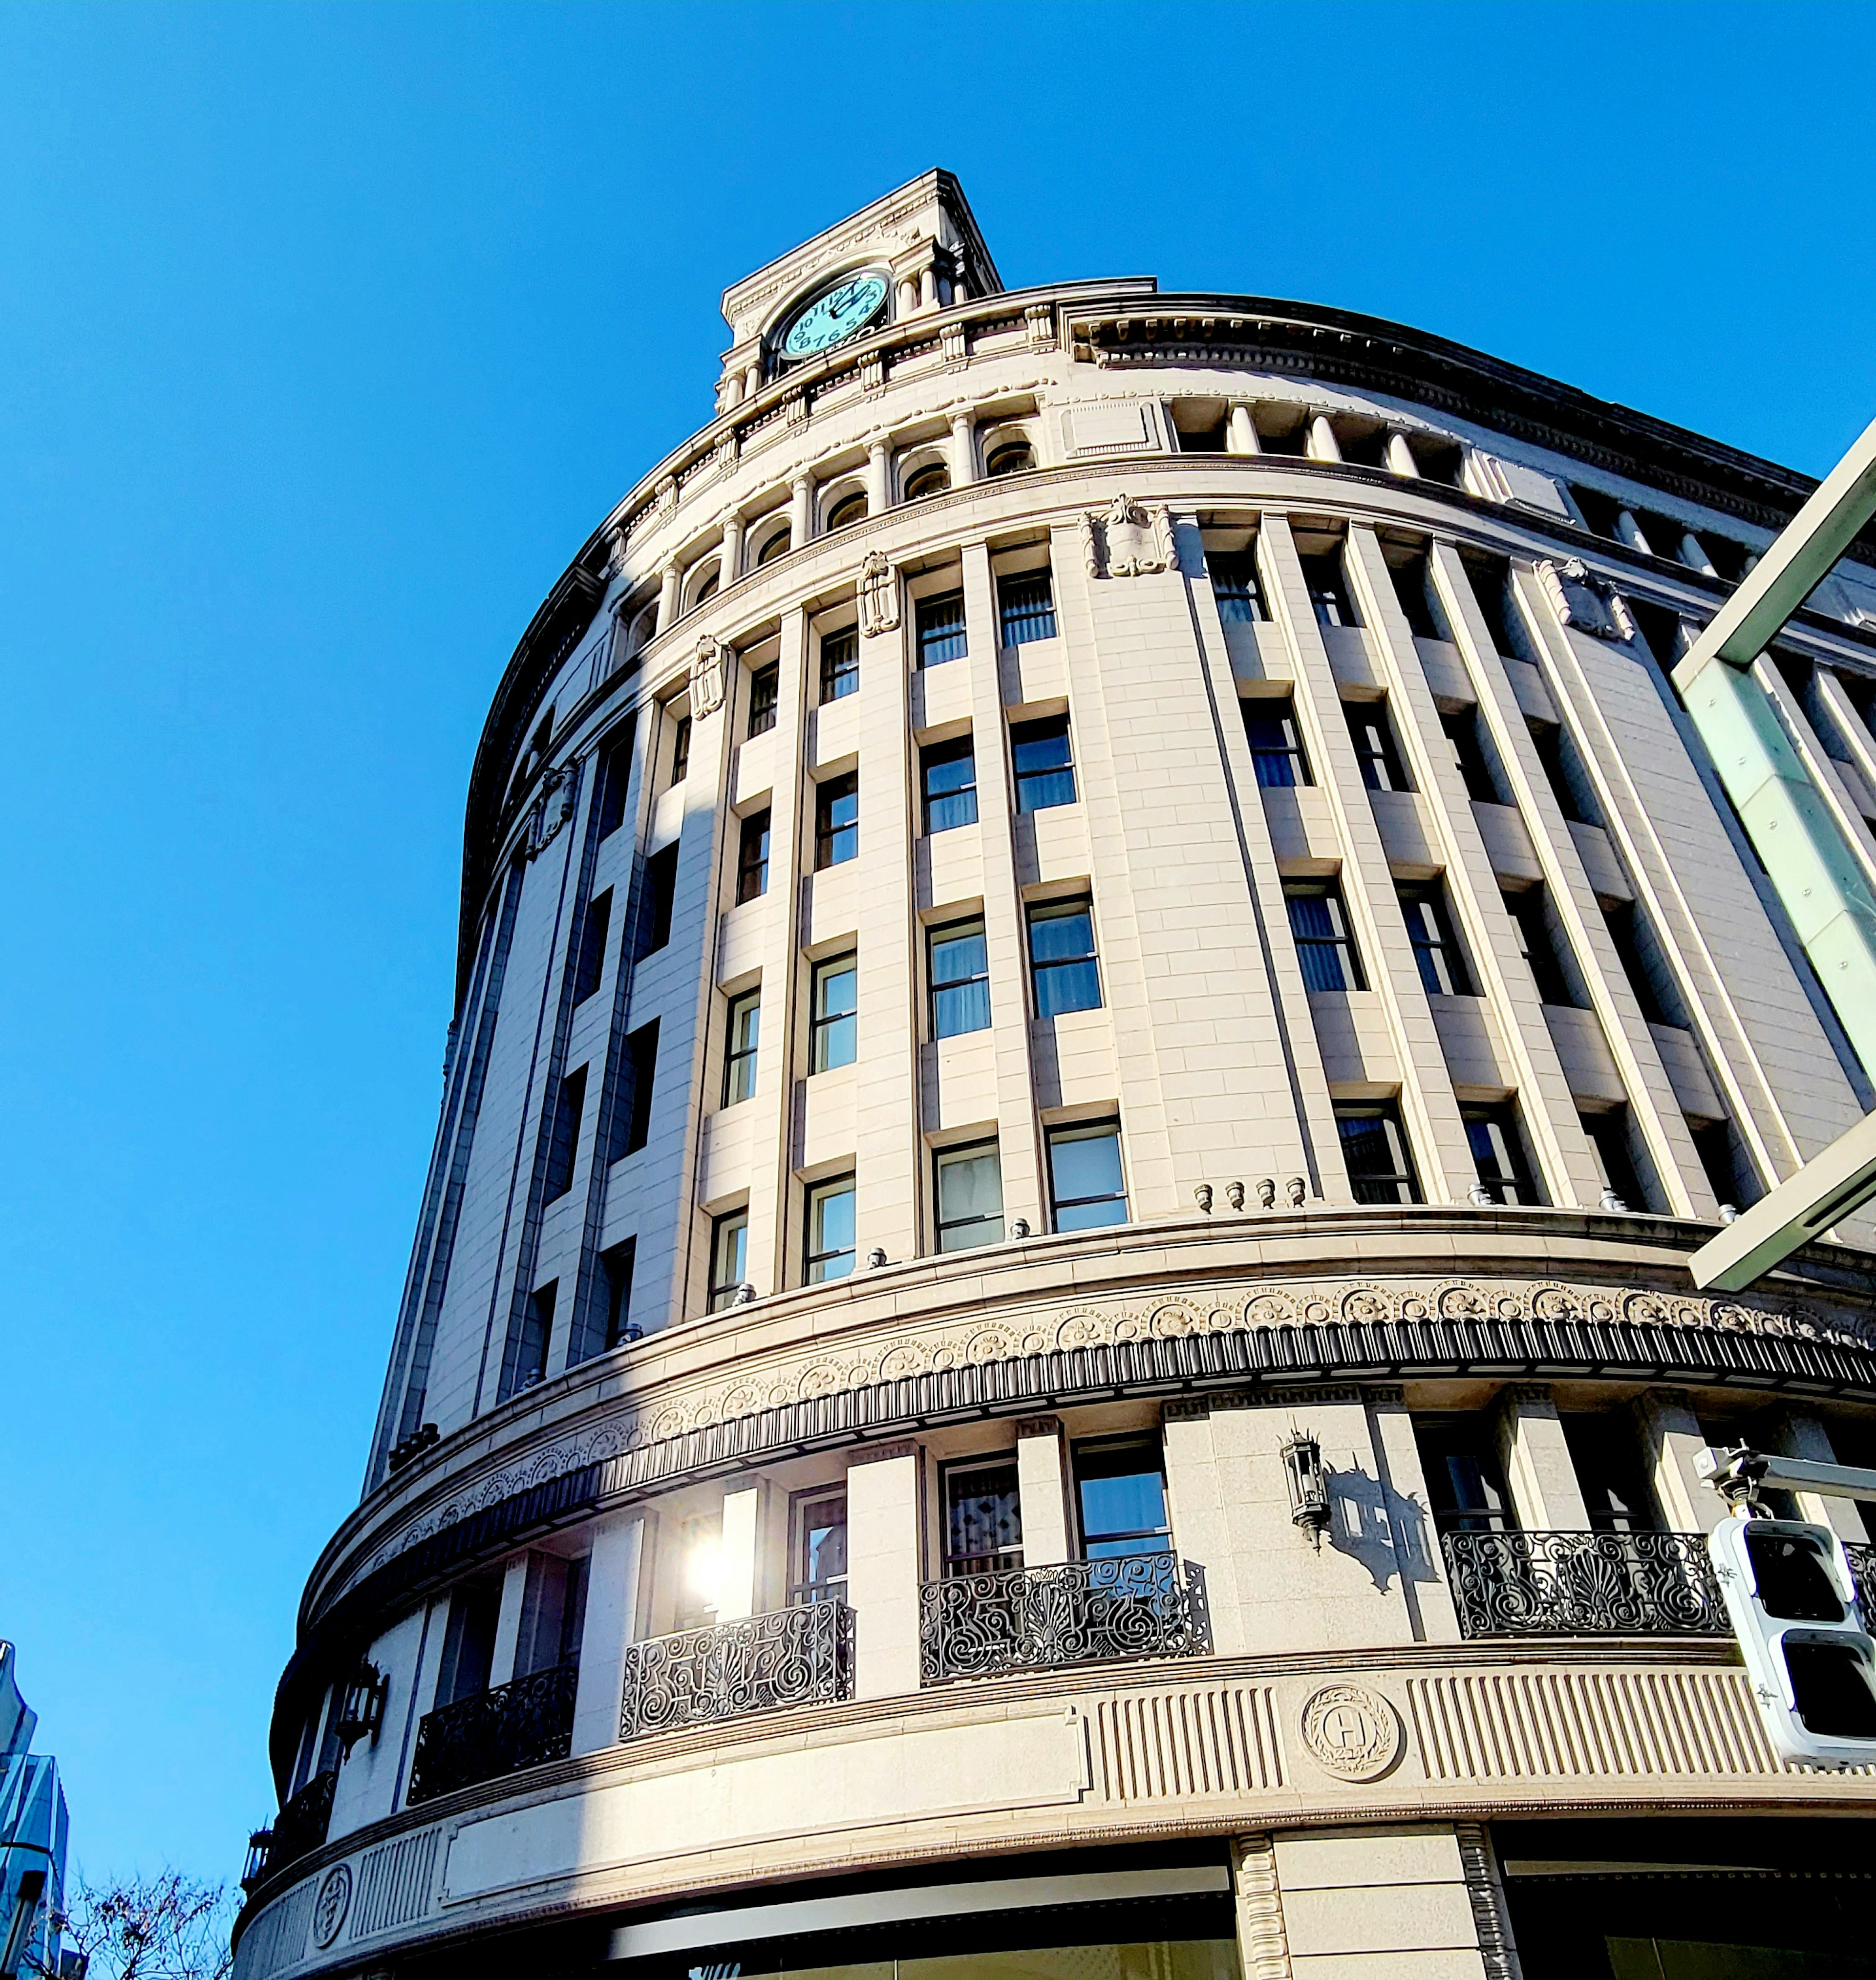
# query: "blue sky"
[326,335]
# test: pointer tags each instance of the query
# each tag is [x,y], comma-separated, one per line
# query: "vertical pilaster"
[1538,1473]
[508,1621]
[878,479]
[741,1552]
[669,580]
[1262,1944]
[1802,1435]
[614,1582]
[1671,1441]
[963,450]
[1240,433]
[883,1561]
[1042,1484]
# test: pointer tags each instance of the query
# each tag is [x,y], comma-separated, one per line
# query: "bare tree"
[163,1927]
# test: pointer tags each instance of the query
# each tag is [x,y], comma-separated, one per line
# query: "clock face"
[834,318]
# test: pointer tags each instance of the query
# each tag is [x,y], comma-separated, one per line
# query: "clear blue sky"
[326,336]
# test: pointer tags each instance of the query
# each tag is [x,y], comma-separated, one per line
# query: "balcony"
[524,1724]
[802,1656]
[298,1830]
[1863,1566]
[1537,1584]
[1041,1618]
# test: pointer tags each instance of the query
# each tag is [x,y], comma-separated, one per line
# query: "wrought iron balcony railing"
[481,1738]
[802,1655]
[1141,1605]
[1535,1584]
[298,1830]
[1863,1566]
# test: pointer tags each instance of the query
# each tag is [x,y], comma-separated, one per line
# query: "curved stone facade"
[1102,991]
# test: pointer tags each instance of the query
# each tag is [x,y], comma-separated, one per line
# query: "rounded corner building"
[1103,988]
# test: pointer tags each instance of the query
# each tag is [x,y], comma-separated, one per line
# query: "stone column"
[508,1622]
[1671,1440]
[928,287]
[1800,1436]
[1042,1483]
[669,580]
[1539,1473]
[613,1579]
[1195,1510]
[729,565]
[1629,530]
[883,1564]
[801,510]
[1409,1505]
[424,1689]
[1693,554]
[878,486]
[963,450]
[1240,435]
[1321,444]
[1400,459]
[741,1527]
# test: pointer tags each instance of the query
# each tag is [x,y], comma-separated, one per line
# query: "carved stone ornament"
[559,795]
[1351,1732]
[616,554]
[330,1906]
[706,678]
[879,596]
[1128,540]
[1584,602]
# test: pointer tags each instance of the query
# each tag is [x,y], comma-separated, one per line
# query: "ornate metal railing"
[791,1656]
[1140,1605]
[1863,1566]
[524,1724]
[299,1829]
[1534,1584]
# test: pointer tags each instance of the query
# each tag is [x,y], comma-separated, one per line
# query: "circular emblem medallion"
[1352,1732]
[333,1901]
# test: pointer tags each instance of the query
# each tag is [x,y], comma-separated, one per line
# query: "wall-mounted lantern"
[1309,1485]
[259,1844]
[361,1705]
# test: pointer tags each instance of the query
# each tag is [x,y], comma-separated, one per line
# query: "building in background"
[1102,991]
[34,1832]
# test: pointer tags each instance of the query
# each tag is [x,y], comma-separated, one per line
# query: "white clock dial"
[832,319]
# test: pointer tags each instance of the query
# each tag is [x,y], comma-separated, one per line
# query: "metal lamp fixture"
[361,1710]
[1309,1485]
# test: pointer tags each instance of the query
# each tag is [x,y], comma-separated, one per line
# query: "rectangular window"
[1062,957]
[1547,739]
[553,1613]
[641,1075]
[1026,608]
[615,781]
[589,965]
[940,629]
[835,1020]
[837,821]
[729,1257]
[753,857]
[1415,593]
[525,1361]
[1464,1485]
[1498,1154]
[970,1197]
[1380,1164]
[1044,765]
[616,1265]
[960,970]
[1539,946]
[660,898]
[680,750]
[1605,1454]
[764,694]
[1086,1184]
[1328,590]
[840,665]
[1120,1487]
[1490,580]
[1608,1143]
[1234,585]
[820,1547]
[983,1517]
[468,1638]
[1436,947]
[563,1135]
[1461,729]
[1624,924]
[745,1021]
[948,772]
[1277,751]
[1325,949]
[1373,738]
[830,1229]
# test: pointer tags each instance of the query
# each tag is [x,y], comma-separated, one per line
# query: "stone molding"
[1264,1943]
[1486,1893]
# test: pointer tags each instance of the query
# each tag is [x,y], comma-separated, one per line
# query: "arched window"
[933,479]
[1012,456]
[776,546]
[848,509]
[707,589]
[643,627]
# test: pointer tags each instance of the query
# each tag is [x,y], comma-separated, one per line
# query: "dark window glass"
[1436,948]
[1498,1154]
[1277,751]
[1086,1184]
[729,1251]
[1044,768]
[1373,737]
[468,1638]
[563,1135]
[948,772]
[940,629]
[1609,1143]
[1489,578]
[1461,728]
[840,665]
[753,857]
[1013,457]
[1547,738]
[1625,933]
[660,898]
[1120,1497]
[764,692]
[615,781]
[1325,949]
[1061,958]
[837,821]
[1606,1453]
[1380,1164]
[933,480]
[820,1547]
[745,1032]
[1459,1455]
[589,963]
[525,1362]
[615,1267]
[1328,590]
[553,1613]
[970,1197]
[1235,585]
[830,1230]
[848,509]
[777,546]
[1415,594]
[680,750]
[641,1067]
[1599,510]
[833,1021]
[1539,946]
[709,588]
[983,1518]
[960,979]
[1201,440]
[1026,608]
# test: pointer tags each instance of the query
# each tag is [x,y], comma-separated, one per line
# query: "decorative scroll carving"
[706,678]
[1580,600]
[524,1724]
[1351,1732]
[1487,1895]
[1128,540]
[1040,1618]
[1263,1941]
[1541,1584]
[802,1656]
[879,596]
[1039,318]
[559,795]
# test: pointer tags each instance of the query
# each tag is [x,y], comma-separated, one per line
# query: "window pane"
[1324,952]
[1027,607]
[1379,1168]
[821,1569]
[1045,769]
[752,859]
[970,1198]
[746,1017]
[1463,1481]
[761,700]
[836,1028]
[1085,1177]
[837,821]
[940,629]
[729,1250]
[1121,1492]
[1235,585]
[840,665]
[950,772]
[1498,1155]
[1277,751]
[960,981]
[983,1518]
[1061,952]
[830,1230]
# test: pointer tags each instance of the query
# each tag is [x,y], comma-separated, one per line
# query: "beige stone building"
[1103,989]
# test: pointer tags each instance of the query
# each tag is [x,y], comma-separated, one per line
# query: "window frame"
[1023,734]
[1379,763]
[765,699]
[1445,949]
[1500,1119]
[840,664]
[1294,756]
[1405,1173]
[829,837]
[1005,1559]
[1342,945]
[721,1293]
[946,933]
[756,826]
[844,511]
[1104,1127]
[821,1023]
[1335,596]
[736,1056]
[1061,908]
[1094,1446]
[928,635]
[951,1158]
[1022,623]
[936,755]
[1229,570]
[815,1197]
[803,1589]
